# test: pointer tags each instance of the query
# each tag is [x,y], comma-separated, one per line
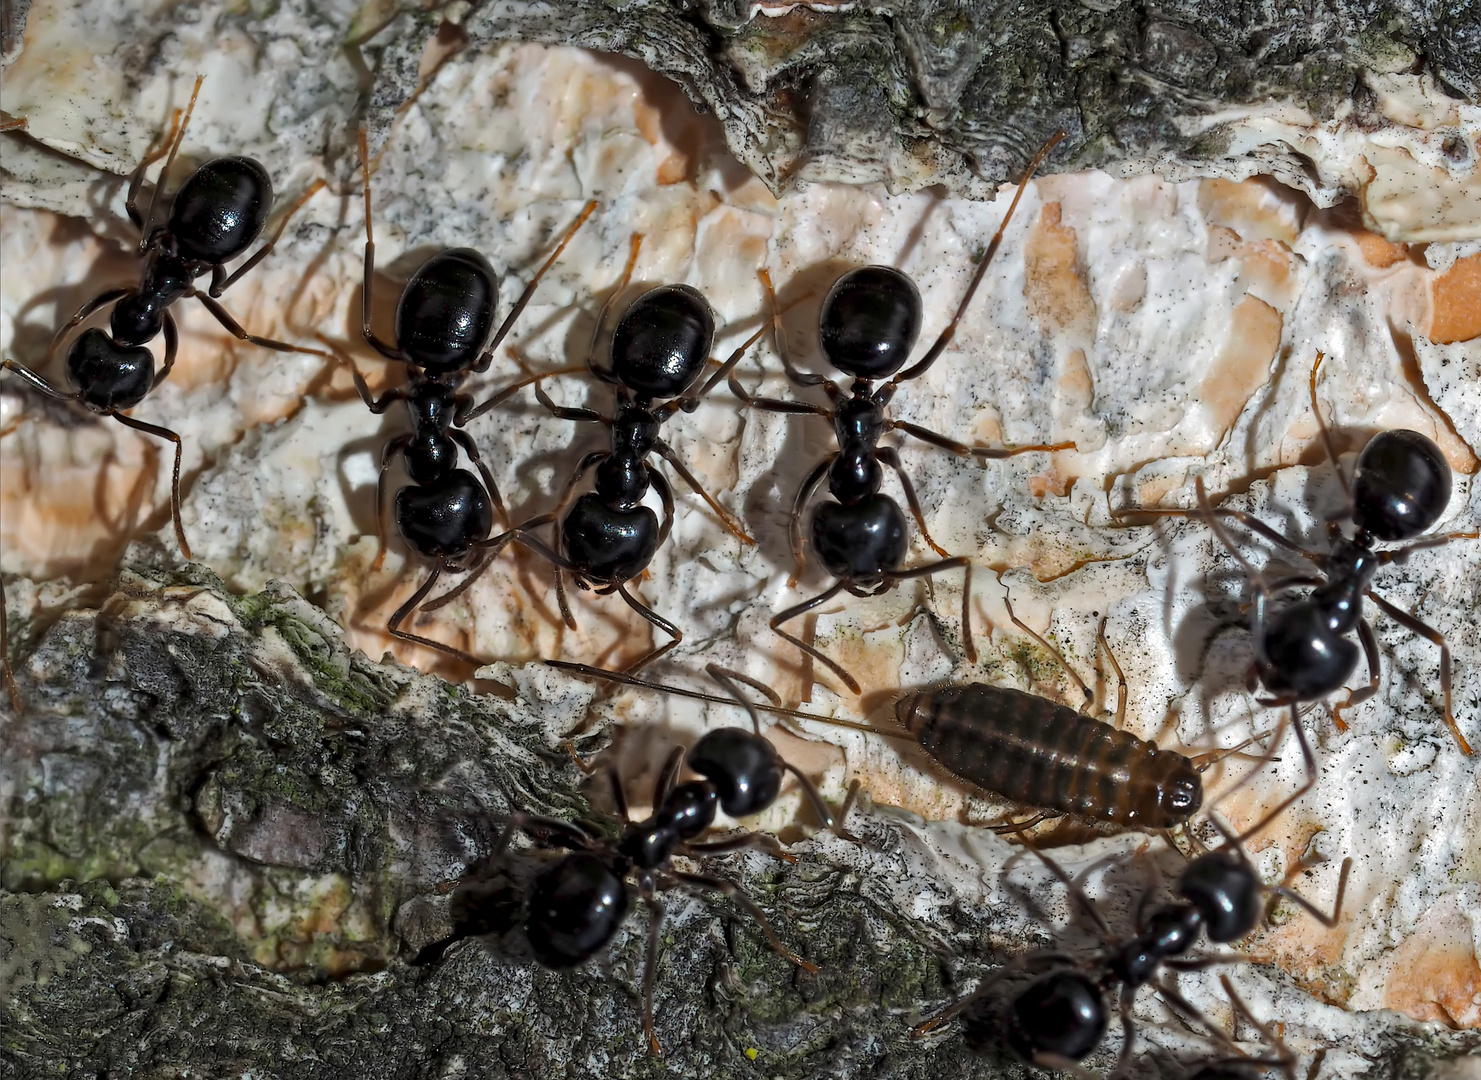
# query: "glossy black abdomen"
[444,518]
[446,314]
[220,209]
[609,545]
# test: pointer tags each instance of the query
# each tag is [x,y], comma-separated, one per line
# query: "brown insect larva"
[1034,751]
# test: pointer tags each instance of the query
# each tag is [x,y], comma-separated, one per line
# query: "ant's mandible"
[444,330]
[216,215]
[867,327]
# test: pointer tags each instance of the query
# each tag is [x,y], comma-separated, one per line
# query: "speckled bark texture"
[210,761]
[961,92]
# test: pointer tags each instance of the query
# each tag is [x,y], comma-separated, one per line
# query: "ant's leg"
[888,455]
[164,433]
[664,784]
[1020,826]
[802,608]
[1248,520]
[605,373]
[463,414]
[777,405]
[936,1019]
[1120,675]
[1424,630]
[660,484]
[728,678]
[136,178]
[799,506]
[935,568]
[731,525]
[801,378]
[655,930]
[1375,675]
[1128,1033]
[102,300]
[36,381]
[699,882]
[390,352]
[1307,760]
[388,455]
[482,363]
[995,453]
[1077,893]
[1329,921]
[688,404]
[463,439]
[760,841]
[172,346]
[561,412]
[235,328]
[218,272]
[393,627]
[1400,555]
[177,134]
[374,404]
[1008,604]
[657,620]
[950,332]
[1316,410]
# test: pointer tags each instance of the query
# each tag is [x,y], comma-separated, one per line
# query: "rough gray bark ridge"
[961,92]
[203,760]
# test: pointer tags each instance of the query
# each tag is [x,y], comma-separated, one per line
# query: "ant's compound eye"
[1401,486]
[870,321]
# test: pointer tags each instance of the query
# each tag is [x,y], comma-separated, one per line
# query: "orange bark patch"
[1053,282]
[1378,252]
[1455,297]
[1244,365]
[1435,975]
[1242,207]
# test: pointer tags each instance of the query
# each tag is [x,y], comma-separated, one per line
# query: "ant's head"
[1060,1013]
[1401,485]
[1225,889]
[221,209]
[742,765]
[663,341]
[574,909]
[870,321]
[445,316]
[109,376]
[1300,657]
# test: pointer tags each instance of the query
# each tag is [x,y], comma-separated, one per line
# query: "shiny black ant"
[575,907]
[216,215]
[444,331]
[1399,488]
[867,327]
[606,537]
[1061,1015]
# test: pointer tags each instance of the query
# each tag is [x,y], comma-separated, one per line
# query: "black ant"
[1061,1015]
[1400,487]
[216,215]
[867,327]
[444,331]
[606,537]
[575,907]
